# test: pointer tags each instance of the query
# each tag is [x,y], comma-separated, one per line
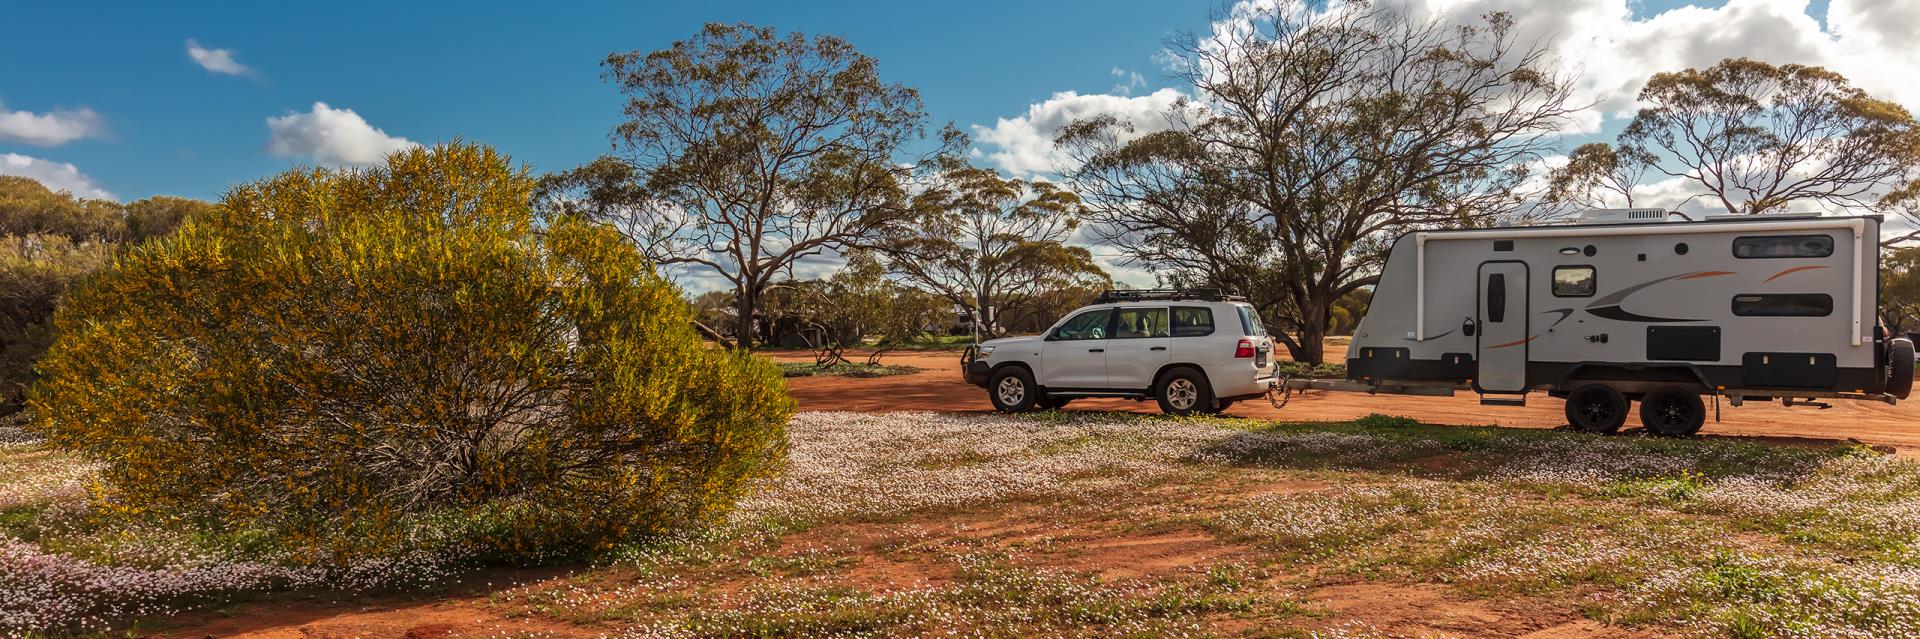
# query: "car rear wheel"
[1672,411]
[1011,389]
[1596,408]
[1184,391]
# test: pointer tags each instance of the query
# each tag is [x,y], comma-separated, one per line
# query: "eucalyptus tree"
[745,151]
[1315,135]
[992,245]
[1752,137]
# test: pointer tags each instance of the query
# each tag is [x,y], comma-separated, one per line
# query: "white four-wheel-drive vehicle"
[1195,351]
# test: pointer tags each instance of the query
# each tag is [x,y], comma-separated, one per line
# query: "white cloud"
[1024,145]
[59,176]
[52,128]
[215,60]
[1127,81]
[331,136]
[1615,51]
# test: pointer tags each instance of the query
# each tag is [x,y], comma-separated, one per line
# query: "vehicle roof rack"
[1166,294]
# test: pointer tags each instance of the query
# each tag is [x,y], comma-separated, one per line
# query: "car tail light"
[1244,349]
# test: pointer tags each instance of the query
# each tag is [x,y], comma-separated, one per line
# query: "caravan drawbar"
[1628,307]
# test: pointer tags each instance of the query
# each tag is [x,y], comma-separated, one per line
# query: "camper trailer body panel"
[1656,303]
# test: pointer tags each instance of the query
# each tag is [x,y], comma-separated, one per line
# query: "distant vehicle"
[1194,351]
[1626,306]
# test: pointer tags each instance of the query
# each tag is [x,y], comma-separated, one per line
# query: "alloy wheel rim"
[1012,391]
[1182,394]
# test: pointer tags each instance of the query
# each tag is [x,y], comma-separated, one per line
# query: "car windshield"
[1088,325]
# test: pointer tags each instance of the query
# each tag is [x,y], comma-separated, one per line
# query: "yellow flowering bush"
[347,358]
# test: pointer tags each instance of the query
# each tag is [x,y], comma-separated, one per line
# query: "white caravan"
[1627,306]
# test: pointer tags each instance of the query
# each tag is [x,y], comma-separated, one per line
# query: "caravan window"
[1783,305]
[1573,281]
[1765,246]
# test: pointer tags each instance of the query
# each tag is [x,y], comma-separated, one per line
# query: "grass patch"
[844,369]
[1323,370]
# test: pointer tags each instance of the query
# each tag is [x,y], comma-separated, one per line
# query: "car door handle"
[1158,348]
[1096,350]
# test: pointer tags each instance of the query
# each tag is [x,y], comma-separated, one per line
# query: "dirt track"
[941,388]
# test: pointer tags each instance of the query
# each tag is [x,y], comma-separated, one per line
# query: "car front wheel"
[1011,389]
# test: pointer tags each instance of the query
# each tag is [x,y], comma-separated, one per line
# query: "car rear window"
[1192,321]
[1250,321]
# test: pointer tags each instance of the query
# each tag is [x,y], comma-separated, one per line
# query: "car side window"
[1139,323]
[1192,321]
[1088,325]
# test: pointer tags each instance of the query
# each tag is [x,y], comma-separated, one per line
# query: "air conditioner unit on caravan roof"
[1621,216]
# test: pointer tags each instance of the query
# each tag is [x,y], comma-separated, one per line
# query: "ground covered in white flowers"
[1086,524]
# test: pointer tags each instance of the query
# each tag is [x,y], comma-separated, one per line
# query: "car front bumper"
[977,373]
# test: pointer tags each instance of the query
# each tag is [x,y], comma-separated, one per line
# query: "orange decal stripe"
[1701,274]
[1514,343]
[1795,269]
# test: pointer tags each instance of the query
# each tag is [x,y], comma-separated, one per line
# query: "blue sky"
[521,76]
[142,117]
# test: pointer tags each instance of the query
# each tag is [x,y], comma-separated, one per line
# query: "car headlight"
[984,351]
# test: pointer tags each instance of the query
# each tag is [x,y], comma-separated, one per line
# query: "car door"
[1138,346]
[1075,352]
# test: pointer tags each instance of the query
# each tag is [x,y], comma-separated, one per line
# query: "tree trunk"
[1311,334]
[743,333]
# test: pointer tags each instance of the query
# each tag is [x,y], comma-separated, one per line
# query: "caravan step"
[1503,400]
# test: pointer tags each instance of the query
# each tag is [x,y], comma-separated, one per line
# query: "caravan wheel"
[1900,368]
[1672,411]
[1596,408]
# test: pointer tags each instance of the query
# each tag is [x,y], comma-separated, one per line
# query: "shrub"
[348,360]
[35,270]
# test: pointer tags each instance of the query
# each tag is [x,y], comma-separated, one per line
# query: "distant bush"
[35,270]
[344,359]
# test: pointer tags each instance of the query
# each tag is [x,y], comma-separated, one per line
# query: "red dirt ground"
[1415,610]
[941,388]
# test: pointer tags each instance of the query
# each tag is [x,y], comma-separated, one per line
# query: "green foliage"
[857,304]
[1290,368]
[49,241]
[1315,139]
[35,271]
[160,215]
[745,150]
[843,369]
[993,245]
[1377,420]
[344,358]
[28,208]
[1900,290]
[1754,137]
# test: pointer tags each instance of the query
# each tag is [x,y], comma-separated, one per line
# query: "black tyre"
[1053,403]
[1900,367]
[1011,389]
[1221,406]
[1184,391]
[1672,411]
[1596,408]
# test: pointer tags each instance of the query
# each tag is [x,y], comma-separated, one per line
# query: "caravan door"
[1503,333]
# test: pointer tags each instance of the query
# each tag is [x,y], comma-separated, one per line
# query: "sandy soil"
[941,388]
